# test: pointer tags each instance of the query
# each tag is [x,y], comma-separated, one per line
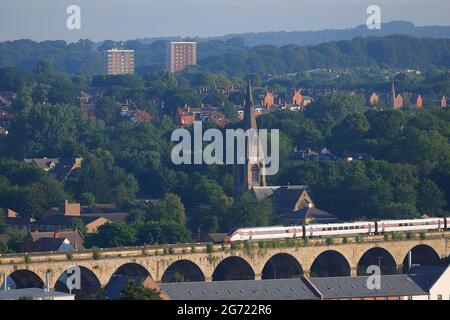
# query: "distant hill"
[395,51]
[235,58]
[303,38]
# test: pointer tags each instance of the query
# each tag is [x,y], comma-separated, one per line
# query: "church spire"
[251,173]
[249,109]
[393,96]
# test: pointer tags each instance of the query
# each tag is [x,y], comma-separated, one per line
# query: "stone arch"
[282,266]
[183,271]
[24,278]
[129,271]
[379,257]
[422,255]
[132,269]
[89,284]
[233,268]
[330,263]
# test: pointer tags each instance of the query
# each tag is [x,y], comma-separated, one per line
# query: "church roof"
[284,197]
[311,213]
[263,192]
[288,196]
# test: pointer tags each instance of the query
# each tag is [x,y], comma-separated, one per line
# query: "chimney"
[71,209]
[11,214]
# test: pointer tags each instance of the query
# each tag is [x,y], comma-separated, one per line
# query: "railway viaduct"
[202,262]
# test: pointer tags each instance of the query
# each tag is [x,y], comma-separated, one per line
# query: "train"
[337,229]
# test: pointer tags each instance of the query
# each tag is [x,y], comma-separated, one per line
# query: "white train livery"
[337,229]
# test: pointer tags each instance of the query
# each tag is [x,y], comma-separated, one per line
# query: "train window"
[340,228]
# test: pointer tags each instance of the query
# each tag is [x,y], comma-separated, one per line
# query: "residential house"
[14,221]
[53,241]
[136,116]
[7,98]
[435,280]
[59,168]
[92,217]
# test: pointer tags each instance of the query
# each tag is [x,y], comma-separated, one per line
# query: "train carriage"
[337,229]
[265,233]
[332,229]
[411,225]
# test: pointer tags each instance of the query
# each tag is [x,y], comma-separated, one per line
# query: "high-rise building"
[118,61]
[180,55]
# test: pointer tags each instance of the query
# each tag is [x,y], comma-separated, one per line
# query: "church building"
[292,203]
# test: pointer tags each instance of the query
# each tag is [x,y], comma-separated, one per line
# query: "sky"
[130,19]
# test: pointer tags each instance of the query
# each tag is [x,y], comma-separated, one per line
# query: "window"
[439,296]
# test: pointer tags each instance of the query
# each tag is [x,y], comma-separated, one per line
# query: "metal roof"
[35,293]
[357,287]
[278,289]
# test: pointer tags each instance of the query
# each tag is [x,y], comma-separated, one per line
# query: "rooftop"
[356,287]
[35,293]
[279,289]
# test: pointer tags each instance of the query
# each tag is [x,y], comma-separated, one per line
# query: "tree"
[113,235]
[170,208]
[3,225]
[427,149]
[349,133]
[87,199]
[101,177]
[50,131]
[108,110]
[331,108]
[32,192]
[162,233]
[16,239]
[134,291]
[247,211]
[78,224]
[3,247]
[308,135]
[430,199]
